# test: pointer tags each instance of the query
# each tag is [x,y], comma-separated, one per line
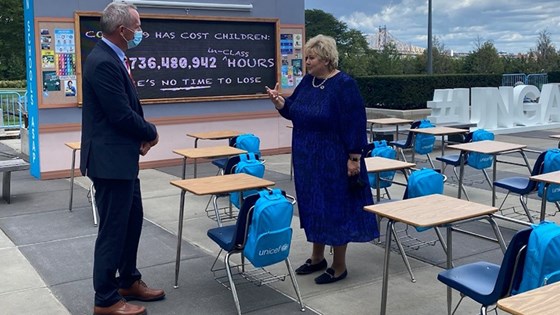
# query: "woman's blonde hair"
[325,48]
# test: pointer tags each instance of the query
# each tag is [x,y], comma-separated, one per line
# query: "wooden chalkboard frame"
[272,71]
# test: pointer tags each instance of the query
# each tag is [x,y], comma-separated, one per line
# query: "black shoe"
[308,268]
[328,277]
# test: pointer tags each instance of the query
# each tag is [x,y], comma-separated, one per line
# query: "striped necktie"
[128,68]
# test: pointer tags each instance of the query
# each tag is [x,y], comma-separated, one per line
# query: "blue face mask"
[135,41]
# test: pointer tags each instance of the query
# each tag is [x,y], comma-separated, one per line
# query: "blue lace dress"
[329,124]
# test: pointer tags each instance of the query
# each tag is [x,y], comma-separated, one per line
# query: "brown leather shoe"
[140,291]
[120,308]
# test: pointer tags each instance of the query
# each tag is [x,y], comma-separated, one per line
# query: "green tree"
[545,53]
[12,47]
[352,45]
[485,59]
[443,63]
[386,61]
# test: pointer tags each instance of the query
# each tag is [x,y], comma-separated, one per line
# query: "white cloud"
[512,25]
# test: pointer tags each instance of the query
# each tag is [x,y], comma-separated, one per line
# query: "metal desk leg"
[195,163]
[72,179]
[291,165]
[396,132]
[385,285]
[449,266]
[185,168]
[179,238]
[498,233]
[461,173]
[378,188]
[526,160]
[442,151]
[543,202]
[412,146]
[493,180]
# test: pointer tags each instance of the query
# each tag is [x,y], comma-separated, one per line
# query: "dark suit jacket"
[113,124]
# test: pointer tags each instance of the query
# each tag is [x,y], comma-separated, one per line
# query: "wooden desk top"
[381,164]
[540,301]
[74,145]
[439,131]
[214,135]
[389,121]
[221,184]
[551,178]
[432,210]
[555,136]
[208,152]
[487,146]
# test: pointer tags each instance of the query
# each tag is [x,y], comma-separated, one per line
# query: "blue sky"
[512,25]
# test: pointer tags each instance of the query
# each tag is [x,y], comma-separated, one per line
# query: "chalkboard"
[195,58]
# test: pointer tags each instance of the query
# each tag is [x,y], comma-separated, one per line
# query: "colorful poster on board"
[298,67]
[51,82]
[69,88]
[64,41]
[286,44]
[298,41]
[66,64]
[47,59]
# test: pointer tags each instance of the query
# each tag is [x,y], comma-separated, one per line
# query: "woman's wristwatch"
[354,159]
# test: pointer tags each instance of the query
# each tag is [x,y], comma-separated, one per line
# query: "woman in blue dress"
[329,120]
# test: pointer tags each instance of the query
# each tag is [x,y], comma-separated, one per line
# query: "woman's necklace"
[320,85]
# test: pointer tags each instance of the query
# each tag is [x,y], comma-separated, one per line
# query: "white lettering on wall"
[497,108]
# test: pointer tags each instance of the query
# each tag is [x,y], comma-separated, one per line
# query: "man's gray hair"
[115,15]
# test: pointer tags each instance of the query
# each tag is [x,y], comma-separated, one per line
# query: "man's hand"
[145,147]
[155,141]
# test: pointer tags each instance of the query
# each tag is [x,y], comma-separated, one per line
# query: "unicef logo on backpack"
[274,251]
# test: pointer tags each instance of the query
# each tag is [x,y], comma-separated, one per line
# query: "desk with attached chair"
[210,186]
[429,211]
[490,147]
[212,135]
[208,153]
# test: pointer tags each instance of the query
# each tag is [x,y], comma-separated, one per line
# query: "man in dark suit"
[114,135]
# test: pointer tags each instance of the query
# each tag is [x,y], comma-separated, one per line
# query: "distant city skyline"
[512,25]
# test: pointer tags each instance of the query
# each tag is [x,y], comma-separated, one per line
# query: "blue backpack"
[542,261]
[386,178]
[551,164]
[270,232]
[248,164]
[424,182]
[480,160]
[248,142]
[424,143]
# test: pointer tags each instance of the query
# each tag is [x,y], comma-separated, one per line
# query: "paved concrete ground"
[46,251]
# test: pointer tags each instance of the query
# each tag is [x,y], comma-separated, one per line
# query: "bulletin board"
[61,49]
[56,60]
[292,60]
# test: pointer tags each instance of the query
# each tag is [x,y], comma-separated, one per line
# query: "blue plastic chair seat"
[486,282]
[223,236]
[451,159]
[399,143]
[516,184]
[220,163]
[476,280]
